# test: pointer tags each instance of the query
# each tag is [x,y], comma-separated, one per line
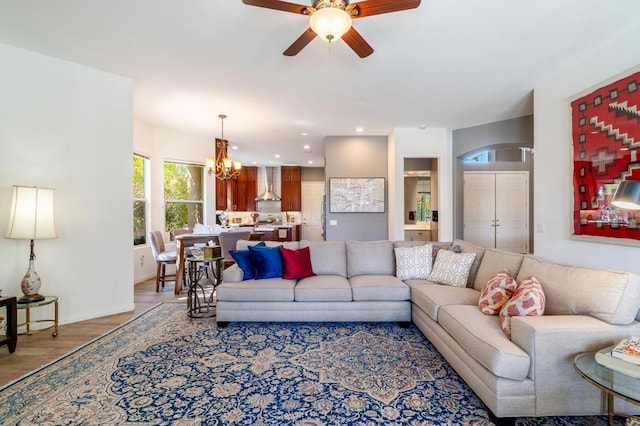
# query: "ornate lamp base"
[31,298]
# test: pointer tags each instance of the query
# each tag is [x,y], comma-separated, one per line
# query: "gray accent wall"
[356,156]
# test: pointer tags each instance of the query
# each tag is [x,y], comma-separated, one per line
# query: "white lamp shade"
[330,23]
[31,216]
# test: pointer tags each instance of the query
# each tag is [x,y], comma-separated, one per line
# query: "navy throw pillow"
[245,262]
[267,261]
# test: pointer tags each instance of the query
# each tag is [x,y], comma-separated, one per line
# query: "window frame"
[145,177]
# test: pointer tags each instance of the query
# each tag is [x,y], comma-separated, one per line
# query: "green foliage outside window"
[183,189]
[139,201]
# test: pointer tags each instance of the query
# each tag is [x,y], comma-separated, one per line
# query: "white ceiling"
[448,63]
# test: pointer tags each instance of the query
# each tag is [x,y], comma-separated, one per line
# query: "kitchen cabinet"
[238,194]
[246,191]
[221,195]
[291,188]
[417,235]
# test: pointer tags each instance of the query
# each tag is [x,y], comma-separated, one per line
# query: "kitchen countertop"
[418,227]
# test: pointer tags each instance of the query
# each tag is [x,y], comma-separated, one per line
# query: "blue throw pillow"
[267,261]
[245,262]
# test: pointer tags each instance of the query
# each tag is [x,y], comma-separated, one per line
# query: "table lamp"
[627,195]
[31,218]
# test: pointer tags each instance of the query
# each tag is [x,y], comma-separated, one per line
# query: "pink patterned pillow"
[496,292]
[528,300]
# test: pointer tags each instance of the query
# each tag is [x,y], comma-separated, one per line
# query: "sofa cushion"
[323,288]
[528,300]
[378,287]
[267,262]
[451,268]
[497,292]
[413,263]
[481,337]
[430,297]
[327,257]
[245,244]
[267,290]
[466,247]
[296,264]
[370,258]
[494,261]
[435,246]
[610,296]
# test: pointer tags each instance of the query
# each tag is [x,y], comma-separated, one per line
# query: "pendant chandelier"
[224,167]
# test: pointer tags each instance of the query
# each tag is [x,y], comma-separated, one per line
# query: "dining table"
[188,240]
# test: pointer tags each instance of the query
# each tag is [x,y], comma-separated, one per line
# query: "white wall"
[69,127]
[553,156]
[418,143]
[160,145]
[144,267]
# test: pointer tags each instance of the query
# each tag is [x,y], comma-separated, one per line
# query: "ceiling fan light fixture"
[330,23]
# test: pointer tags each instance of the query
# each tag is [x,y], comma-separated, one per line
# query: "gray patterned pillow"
[413,263]
[452,268]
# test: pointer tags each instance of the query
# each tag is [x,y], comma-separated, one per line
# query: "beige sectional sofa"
[530,375]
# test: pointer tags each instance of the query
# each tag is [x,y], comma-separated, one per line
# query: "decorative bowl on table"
[197,253]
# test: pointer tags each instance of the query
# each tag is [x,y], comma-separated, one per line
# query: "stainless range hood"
[268,194]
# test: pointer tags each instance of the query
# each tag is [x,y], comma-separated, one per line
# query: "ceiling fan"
[331,20]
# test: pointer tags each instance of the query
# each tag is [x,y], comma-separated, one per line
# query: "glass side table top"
[621,385]
[45,301]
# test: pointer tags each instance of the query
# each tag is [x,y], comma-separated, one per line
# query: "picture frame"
[605,131]
[357,195]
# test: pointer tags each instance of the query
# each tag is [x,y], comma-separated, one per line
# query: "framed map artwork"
[606,150]
[356,195]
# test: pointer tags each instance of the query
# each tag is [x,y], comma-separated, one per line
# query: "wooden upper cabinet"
[240,191]
[247,189]
[291,188]
[221,195]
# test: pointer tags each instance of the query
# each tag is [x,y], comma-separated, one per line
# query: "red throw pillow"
[528,300]
[496,292]
[296,264]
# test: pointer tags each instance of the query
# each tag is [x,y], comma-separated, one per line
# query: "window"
[139,200]
[183,199]
[424,199]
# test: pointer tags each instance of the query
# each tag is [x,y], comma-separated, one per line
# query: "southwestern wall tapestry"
[606,151]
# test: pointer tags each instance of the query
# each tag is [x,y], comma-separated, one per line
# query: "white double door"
[496,210]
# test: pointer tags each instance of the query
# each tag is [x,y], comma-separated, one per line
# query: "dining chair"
[162,258]
[228,242]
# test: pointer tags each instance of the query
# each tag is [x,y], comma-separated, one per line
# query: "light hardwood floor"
[41,348]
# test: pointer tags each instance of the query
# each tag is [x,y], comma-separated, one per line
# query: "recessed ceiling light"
[234,147]
[306,147]
[304,134]
[277,156]
[310,162]
[254,162]
[422,126]
[359,129]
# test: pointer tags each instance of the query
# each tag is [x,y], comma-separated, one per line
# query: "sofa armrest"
[233,274]
[552,342]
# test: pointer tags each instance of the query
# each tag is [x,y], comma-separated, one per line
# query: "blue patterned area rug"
[163,368]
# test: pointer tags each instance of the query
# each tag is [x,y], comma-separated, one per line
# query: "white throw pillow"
[452,268]
[413,263]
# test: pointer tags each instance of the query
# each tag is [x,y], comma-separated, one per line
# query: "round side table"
[204,275]
[32,305]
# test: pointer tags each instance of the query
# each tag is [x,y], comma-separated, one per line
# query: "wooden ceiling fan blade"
[359,45]
[277,5]
[300,43]
[377,7]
